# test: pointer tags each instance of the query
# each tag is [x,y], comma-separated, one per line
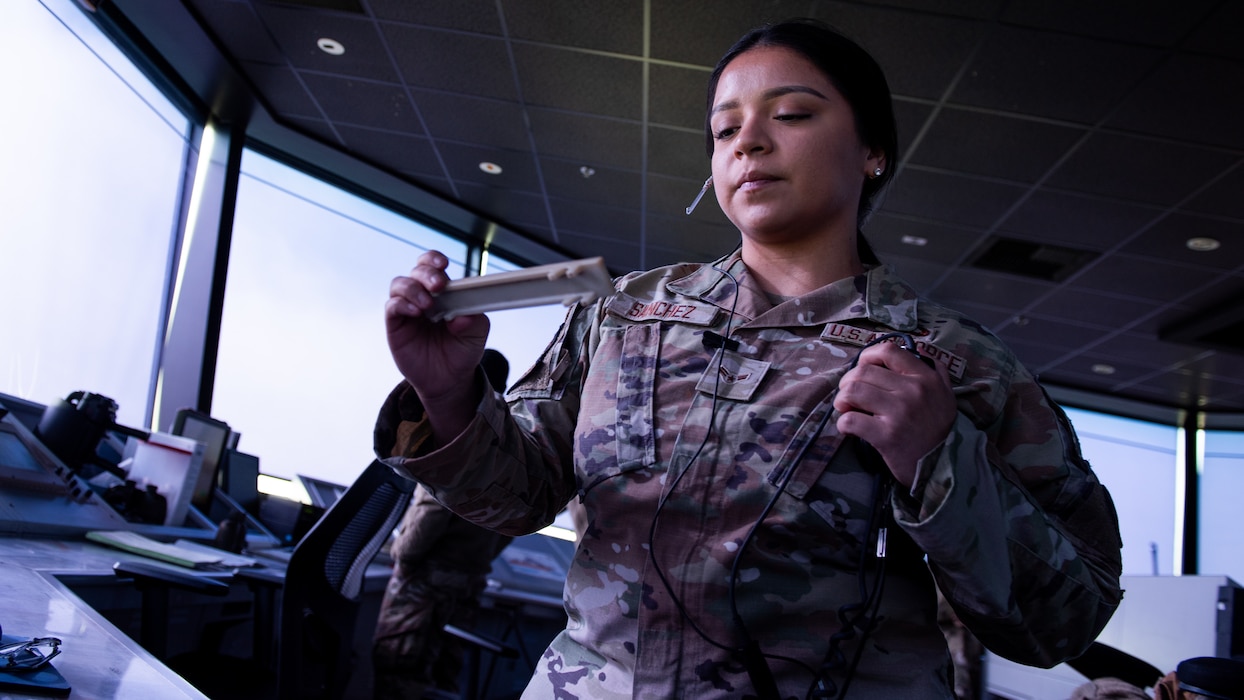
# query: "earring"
[877,172]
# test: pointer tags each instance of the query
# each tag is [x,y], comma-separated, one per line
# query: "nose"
[753,138]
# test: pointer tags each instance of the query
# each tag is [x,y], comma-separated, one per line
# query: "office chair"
[320,595]
[324,580]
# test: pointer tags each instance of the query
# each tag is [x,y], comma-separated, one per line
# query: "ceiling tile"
[593,141]
[620,256]
[578,81]
[678,153]
[1167,240]
[452,61]
[893,234]
[361,103]
[478,16]
[1052,75]
[920,53]
[473,119]
[1140,278]
[298,30]
[1190,98]
[971,142]
[677,96]
[1219,34]
[1138,169]
[979,286]
[1092,308]
[462,161]
[910,117]
[950,198]
[588,219]
[519,210]
[614,26]
[281,90]
[605,186]
[1090,223]
[414,154]
[1224,196]
[700,33]
[1155,23]
[1043,331]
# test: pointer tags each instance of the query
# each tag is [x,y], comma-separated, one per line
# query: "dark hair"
[496,368]
[851,70]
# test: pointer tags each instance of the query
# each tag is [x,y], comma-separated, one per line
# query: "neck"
[795,270]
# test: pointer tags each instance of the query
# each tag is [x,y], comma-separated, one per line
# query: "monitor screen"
[214,435]
[322,493]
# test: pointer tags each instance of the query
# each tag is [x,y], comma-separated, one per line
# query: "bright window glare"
[1136,461]
[92,165]
[1222,481]
[303,365]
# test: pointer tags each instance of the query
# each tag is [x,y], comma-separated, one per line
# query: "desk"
[97,659]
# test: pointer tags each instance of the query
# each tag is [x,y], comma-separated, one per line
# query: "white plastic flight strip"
[582,281]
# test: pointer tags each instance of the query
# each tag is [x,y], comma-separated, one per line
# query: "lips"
[756,179]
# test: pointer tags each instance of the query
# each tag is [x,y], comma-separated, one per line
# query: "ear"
[876,160]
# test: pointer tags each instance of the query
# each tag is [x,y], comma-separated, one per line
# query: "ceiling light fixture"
[586,171]
[1203,244]
[1102,369]
[490,168]
[332,47]
[915,240]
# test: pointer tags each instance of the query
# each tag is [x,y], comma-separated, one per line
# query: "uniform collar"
[878,295]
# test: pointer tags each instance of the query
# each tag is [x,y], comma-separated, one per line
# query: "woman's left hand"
[895,402]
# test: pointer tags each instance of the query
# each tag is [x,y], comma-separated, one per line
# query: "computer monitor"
[322,493]
[214,435]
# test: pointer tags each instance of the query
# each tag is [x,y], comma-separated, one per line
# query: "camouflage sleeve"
[423,524]
[1021,536]
[512,469]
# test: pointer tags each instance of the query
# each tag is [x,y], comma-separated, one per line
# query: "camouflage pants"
[410,652]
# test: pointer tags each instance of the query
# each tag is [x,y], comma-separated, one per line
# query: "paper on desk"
[226,558]
[147,547]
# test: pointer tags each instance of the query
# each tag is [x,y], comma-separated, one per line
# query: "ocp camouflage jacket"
[723,505]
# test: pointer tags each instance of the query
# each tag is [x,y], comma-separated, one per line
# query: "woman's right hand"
[437,358]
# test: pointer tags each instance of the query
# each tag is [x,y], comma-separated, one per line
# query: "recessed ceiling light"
[915,240]
[1203,244]
[1102,368]
[490,168]
[331,47]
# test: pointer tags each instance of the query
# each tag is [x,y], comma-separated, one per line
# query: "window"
[92,161]
[1136,460]
[302,366]
[1222,483]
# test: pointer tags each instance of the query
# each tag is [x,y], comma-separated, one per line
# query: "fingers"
[897,403]
[415,294]
[885,374]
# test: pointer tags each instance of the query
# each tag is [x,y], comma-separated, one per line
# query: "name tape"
[853,335]
[636,310]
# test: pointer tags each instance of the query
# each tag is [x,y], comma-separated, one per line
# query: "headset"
[859,617]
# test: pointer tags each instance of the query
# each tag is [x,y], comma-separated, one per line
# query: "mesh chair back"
[323,583]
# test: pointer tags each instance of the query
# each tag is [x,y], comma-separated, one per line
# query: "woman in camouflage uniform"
[771,489]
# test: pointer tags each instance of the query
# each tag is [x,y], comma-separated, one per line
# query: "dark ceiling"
[1056,156]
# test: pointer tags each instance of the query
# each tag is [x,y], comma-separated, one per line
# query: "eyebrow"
[771,94]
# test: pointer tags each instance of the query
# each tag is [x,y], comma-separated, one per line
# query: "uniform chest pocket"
[830,499]
[616,427]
